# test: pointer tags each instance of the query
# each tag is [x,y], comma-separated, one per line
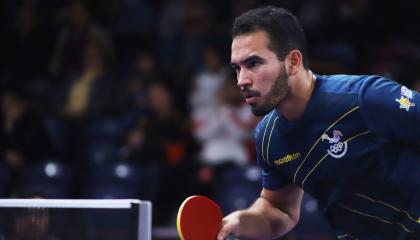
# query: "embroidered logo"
[404,100]
[337,149]
[288,158]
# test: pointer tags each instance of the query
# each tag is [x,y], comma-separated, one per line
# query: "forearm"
[263,221]
[266,220]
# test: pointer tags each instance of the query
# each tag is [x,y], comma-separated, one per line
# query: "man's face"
[261,76]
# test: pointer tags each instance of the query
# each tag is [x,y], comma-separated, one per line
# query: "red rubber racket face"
[199,218]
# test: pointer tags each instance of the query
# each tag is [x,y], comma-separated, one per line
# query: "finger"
[222,235]
[224,232]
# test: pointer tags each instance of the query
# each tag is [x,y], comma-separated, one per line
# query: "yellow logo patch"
[288,158]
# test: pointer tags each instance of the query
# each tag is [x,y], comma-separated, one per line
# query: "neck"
[301,88]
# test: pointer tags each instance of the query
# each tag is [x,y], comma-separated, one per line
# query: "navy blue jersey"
[355,149]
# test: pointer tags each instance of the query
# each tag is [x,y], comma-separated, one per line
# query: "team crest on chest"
[337,148]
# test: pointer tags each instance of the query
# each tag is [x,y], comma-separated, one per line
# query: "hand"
[230,226]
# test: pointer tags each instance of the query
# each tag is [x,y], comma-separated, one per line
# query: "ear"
[293,62]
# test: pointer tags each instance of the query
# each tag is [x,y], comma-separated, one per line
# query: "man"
[350,141]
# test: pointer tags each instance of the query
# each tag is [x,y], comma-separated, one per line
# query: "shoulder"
[379,91]
[379,95]
[363,89]
[344,84]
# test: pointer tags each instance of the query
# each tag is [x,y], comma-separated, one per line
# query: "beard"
[277,93]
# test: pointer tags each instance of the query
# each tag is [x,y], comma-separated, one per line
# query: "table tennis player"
[351,141]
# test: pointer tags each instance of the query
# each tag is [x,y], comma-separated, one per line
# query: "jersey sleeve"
[391,110]
[272,178]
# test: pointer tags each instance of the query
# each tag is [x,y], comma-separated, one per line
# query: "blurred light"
[311,206]
[122,171]
[253,174]
[51,170]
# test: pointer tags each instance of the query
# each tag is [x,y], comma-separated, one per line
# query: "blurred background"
[135,98]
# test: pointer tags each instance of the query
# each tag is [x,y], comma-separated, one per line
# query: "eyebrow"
[246,60]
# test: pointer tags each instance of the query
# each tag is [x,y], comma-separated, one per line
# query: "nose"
[244,78]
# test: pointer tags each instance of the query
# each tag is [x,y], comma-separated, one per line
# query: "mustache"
[246,92]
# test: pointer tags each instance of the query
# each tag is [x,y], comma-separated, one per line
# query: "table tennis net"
[50,219]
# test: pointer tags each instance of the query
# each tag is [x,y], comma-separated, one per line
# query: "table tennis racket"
[199,218]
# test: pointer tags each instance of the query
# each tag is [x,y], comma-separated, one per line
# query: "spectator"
[183,52]
[142,148]
[175,139]
[83,98]
[87,94]
[208,81]
[224,128]
[23,135]
[133,92]
[224,131]
[70,45]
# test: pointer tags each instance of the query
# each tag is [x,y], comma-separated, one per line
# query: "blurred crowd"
[88,84]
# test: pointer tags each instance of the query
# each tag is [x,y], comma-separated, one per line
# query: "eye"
[251,64]
[235,68]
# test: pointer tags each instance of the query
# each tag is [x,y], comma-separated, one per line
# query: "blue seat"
[50,179]
[237,188]
[118,172]
[116,180]
[100,153]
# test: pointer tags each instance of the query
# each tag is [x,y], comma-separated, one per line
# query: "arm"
[272,215]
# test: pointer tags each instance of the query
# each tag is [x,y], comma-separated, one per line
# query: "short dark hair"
[284,30]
